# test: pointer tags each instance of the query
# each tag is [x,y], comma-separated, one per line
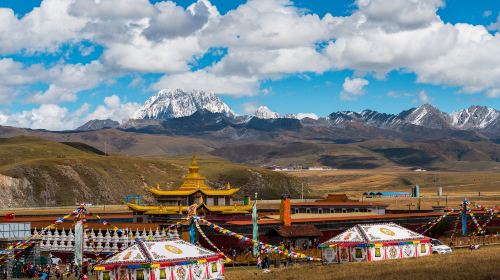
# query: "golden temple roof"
[192,183]
[223,209]
[157,192]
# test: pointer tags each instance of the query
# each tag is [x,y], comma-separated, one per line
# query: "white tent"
[162,260]
[375,242]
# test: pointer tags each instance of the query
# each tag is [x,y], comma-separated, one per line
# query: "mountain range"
[170,110]
[427,116]
[177,122]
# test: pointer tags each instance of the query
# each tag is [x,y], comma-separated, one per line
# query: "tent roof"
[160,251]
[374,233]
[132,254]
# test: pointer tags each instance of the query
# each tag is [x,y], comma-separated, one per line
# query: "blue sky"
[65,62]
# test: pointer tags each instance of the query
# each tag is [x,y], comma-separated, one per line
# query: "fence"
[473,240]
[247,258]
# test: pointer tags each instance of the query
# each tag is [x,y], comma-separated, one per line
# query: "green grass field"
[462,264]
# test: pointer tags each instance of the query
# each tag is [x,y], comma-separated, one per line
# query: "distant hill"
[35,172]
[98,124]
[347,148]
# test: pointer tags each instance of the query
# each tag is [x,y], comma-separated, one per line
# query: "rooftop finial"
[194,163]
[193,168]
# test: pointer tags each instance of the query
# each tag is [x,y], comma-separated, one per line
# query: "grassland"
[456,185]
[461,264]
[36,172]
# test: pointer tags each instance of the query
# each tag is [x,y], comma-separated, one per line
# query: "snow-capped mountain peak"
[428,116]
[168,104]
[263,112]
[475,117]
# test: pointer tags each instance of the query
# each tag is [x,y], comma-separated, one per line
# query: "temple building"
[173,204]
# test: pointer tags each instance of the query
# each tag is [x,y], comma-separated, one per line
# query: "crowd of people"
[55,271]
[267,257]
[287,245]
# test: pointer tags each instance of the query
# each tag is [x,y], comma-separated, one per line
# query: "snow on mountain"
[427,116]
[168,104]
[368,117]
[475,117]
[263,112]
[382,120]
[342,117]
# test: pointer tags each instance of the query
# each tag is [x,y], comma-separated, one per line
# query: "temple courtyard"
[461,264]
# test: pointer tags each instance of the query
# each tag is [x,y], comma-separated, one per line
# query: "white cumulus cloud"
[307,115]
[47,116]
[43,29]
[423,97]
[353,88]
[113,108]
[55,117]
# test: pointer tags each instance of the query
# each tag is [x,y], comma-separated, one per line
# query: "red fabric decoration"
[9,216]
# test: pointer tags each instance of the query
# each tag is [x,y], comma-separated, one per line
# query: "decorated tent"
[157,260]
[375,242]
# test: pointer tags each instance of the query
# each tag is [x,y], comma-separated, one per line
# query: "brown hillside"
[36,172]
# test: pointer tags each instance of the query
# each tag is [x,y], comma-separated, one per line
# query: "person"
[48,270]
[76,271]
[85,269]
[68,270]
[267,262]
[57,272]
[288,260]
[259,262]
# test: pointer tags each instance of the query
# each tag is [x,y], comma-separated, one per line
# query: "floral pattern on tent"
[374,242]
[162,260]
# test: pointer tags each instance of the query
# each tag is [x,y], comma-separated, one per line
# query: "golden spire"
[228,186]
[193,180]
[193,168]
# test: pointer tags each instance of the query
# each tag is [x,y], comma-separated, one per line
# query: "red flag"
[9,216]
